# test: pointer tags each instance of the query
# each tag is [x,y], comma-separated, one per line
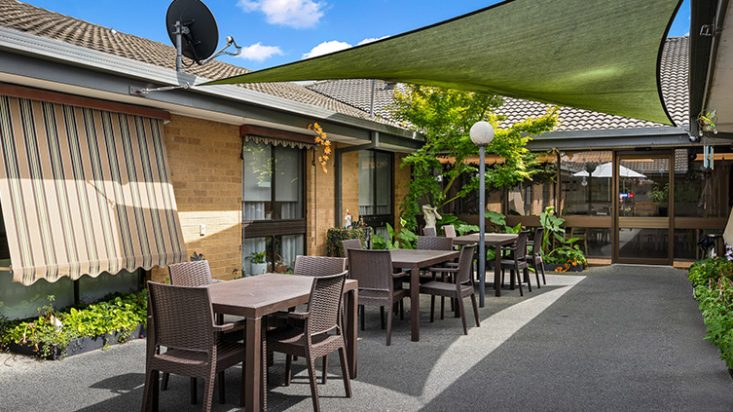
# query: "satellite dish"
[192,29]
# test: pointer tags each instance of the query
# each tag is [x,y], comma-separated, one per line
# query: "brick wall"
[206,172]
[349,185]
[320,206]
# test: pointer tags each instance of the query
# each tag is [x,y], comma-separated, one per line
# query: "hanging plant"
[324,143]
[708,121]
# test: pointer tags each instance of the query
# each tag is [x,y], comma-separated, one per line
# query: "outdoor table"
[414,260]
[258,296]
[497,240]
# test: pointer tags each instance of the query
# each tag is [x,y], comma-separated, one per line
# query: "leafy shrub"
[462,227]
[713,290]
[54,330]
[405,239]
[335,235]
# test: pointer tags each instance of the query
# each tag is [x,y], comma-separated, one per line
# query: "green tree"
[445,117]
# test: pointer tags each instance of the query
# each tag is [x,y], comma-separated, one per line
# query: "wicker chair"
[458,290]
[450,231]
[429,231]
[320,334]
[194,274]
[437,243]
[317,266]
[378,284]
[350,244]
[517,261]
[535,259]
[183,323]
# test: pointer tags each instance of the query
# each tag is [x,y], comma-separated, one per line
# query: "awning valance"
[598,55]
[277,142]
[84,191]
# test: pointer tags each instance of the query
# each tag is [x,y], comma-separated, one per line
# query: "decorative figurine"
[431,215]
[348,220]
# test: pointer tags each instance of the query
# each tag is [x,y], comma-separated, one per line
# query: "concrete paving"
[622,338]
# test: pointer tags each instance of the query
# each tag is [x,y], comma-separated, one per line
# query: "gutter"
[40,47]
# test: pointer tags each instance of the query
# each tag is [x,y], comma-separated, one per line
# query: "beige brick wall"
[320,206]
[206,172]
[402,177]
[349,185]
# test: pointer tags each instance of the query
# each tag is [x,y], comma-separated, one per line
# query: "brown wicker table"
[414,260]
[258,296]
[497,240]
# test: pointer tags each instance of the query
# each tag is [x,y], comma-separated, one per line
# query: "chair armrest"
[298,315]
[400,274]
[224,328]
[443,270]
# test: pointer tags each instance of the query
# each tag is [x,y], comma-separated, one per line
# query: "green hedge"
[336,235]
[119,314]
[712,280]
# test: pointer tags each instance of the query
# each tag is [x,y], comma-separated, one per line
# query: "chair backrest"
[450,231]
[319,265]
[465,261]
[539,233]
[325,303]
[434,243]
[182,317]
[429,231]
[196,273]
[350,244]
[371,268]
[522,239]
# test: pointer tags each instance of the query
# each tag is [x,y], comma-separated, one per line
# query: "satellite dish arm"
[230,42]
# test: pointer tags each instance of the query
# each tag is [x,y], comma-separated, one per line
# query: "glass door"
[642,207]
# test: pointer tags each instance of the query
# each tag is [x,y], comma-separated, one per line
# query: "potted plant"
[560,253]
[258,263]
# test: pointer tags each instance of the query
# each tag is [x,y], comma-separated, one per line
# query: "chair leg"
[208,395]
[345,371]
[515,274]
[193,391]
[512,275]
[537,275]
[542,266]
[442,307]
[475,309]
[462,310]
[362,310]
[389,330]
[164,383]
[325,370]
[402,309]
[526,278]
[432,308]
[313,383]
[150,398]
[381,316]
[288,369]
[222,386]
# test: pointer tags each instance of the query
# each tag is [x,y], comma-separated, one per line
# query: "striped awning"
[84,191]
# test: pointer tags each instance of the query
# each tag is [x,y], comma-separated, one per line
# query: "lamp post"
[481,135]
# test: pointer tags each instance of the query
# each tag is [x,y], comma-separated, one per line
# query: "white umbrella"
[606,170]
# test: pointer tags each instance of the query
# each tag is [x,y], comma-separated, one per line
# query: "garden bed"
[551,267]
[54,335]
[76,346]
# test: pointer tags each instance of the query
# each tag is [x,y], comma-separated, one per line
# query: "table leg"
[415,303]
[352,310]
[497,270]
[253,364]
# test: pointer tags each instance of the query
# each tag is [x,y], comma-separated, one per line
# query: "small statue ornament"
[348,220]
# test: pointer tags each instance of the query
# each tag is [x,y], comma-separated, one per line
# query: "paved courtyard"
[620,338]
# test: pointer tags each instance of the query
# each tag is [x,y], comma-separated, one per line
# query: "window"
[586,183]
[699,193]
[375,187]
[272,206]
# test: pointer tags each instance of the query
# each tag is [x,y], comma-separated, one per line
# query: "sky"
[274,32]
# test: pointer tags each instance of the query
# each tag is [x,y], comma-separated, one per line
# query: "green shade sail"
[600,55]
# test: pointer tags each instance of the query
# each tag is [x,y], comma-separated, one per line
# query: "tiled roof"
[674,88]
[40,22]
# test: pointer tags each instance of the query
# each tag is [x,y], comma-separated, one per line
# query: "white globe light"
[482,133]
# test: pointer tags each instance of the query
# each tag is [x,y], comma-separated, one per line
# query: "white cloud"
[327,47]
[299,14]
[336,45]
[258,52]
[370,40]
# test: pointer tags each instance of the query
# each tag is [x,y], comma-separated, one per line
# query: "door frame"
[656,223]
